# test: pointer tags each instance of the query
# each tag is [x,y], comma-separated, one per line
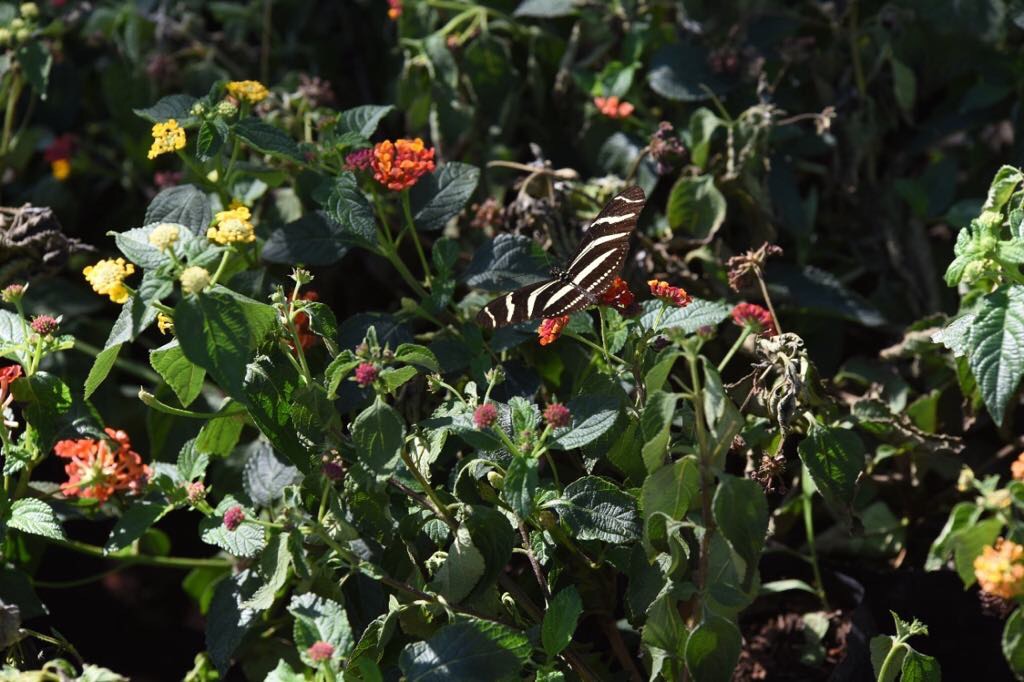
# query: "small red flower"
[612,107]
[8,374]
[366,374]
[359,160]
[400,164]
[394,9]
[485,415]
[320,651]
[754,316]
[44,325]
[619,296]
[557,415]
[676,296]
[233,517]
[551,328]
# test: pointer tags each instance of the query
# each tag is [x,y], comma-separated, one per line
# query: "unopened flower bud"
[496,480]
[29,10]
[233,517]
[196,492]
[485,415]
[12,293]
[22,35]
[226,108]
[197,109]
[194,279]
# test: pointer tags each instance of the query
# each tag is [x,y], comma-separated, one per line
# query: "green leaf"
[394,377]
[209,141]
[1013,642]
[700,313]
[362,120]
[264,476]
[696,207]
[1004,184]
[44,399]
[440,196]
[969,543]
[880,647]
[545,9]
[671,489]
[560,621]
[506,262]
[996,348]
[655,425]
[184,377]
[184,205]
[741,512]
[961,516]
[596,509]
[592,416]
[468,650]
[268,139]
[703,124]
[378,434]
[220,436]
[219,331]
[415,354]
[315,239]
[954,335]
[712,649]
[904,85]
[920,668]
[101,368]
[30,515]
[347,206]
[834,457]
[521,481]
[191,462]
[35,60]
[247,540]
[318,619]
[178,107]
[816,291]
[135,521]
[680,72]
[460,572]
[11,330]
[227,620]
[493,535]
[271,386]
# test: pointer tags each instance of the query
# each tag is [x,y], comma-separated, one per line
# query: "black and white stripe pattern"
[597,262]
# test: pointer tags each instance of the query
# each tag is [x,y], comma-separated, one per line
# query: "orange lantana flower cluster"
[1000,569]
[612,107]
[675,296]
[618,296]
[400,164]
[97,470]
[551,328]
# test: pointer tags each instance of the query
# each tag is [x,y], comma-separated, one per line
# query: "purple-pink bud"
[485,415]
[233,517]
[366,374]
[557,415]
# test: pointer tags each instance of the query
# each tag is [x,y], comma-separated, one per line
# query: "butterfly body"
[590,272]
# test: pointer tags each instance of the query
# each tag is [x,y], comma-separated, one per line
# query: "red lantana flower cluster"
[754,316]
[97,470]
[619,296]
[400,164]
[613,107]
[676,296]
[551,328]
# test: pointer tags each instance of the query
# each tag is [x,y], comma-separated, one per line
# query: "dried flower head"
[485,415]
[1000,569]
[400,164]
[107,278]
[557,416]
[551,328]
[164,235]
[250,91]
[490,213]
[769,473]
[753,316]
[666,149]
[167,137]
[194,279]
[232,227]
[45,325]
[320,651]
[675,296]
[316,90]
[332,467]
[745,267]
[366,374]
[233,517]
[612,107]
[100,468]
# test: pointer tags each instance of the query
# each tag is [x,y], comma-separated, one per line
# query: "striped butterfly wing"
[592,269]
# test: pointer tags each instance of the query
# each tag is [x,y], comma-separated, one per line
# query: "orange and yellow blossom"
[400,164]
[100,468]
[1000,569]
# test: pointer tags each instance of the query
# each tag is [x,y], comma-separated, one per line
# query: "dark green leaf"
[560,621]
[265,476]
[819,292]
[227,620]
[271,385]
[184,377]
[440,196]
[219,436]
[461,570]
[362,120]
[995,348]
[696,207]
[209,141]
[713,649]
[1013,642]
[834,457]
[680,72]
[592,416]
[741,512]
[460,651]
[183,204]
[969,543]
[191,462]
[655,425]
[700,313]
[920,668]
[596,509]
[268,139]
[178,107]
[101,368]
[506,262]
[35,60]
[314,240]
[521,480]
[135,521]
[273,571]
[378,433]
[415,354]
[347,207]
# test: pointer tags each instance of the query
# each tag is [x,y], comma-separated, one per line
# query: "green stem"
[593,346]
[220,267]
[411,227]
[166,561]
[151,400]
[17,83]
[768,300]
[554,470]
[735,347]
[819,585]
[883,671]
[440,508]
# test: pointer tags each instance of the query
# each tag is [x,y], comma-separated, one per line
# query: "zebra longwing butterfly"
[592,269]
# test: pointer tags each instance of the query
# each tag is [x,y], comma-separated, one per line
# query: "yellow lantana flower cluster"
[107,278]
[232,227]
[250,91]
[1000,569]
[164,236]
[167,137]
[194,279]
[164,323]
